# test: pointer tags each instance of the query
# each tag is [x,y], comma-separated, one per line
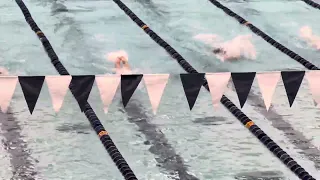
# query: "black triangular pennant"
[292,81]
[129,84]
[242,83]
[191,85]
[81,88]
[31,87]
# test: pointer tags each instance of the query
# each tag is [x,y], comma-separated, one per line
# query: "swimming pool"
[212,144]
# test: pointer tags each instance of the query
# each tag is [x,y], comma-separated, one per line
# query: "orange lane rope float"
[102,133]
[39,33]
[249,124]
[144,27]
[246,23]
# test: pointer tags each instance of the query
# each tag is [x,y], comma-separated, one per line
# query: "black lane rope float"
[312,3]
[106,140]
[246,121]
[267,38]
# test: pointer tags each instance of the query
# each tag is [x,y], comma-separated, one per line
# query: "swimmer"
[235,49]
[122,64]
[307,35]
[120,59]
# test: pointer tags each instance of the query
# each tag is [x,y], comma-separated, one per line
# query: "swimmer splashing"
[235,49]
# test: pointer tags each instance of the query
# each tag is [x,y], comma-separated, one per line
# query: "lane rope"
[312,3]
[248,123]
[267,38]
[103,135]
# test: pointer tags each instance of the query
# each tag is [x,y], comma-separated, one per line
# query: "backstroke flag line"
[155,85]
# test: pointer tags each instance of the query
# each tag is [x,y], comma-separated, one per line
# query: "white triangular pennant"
[58,86]
[155,84]
[107,85]
[8,85]
[217,83]
[267,82]
[314,85]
